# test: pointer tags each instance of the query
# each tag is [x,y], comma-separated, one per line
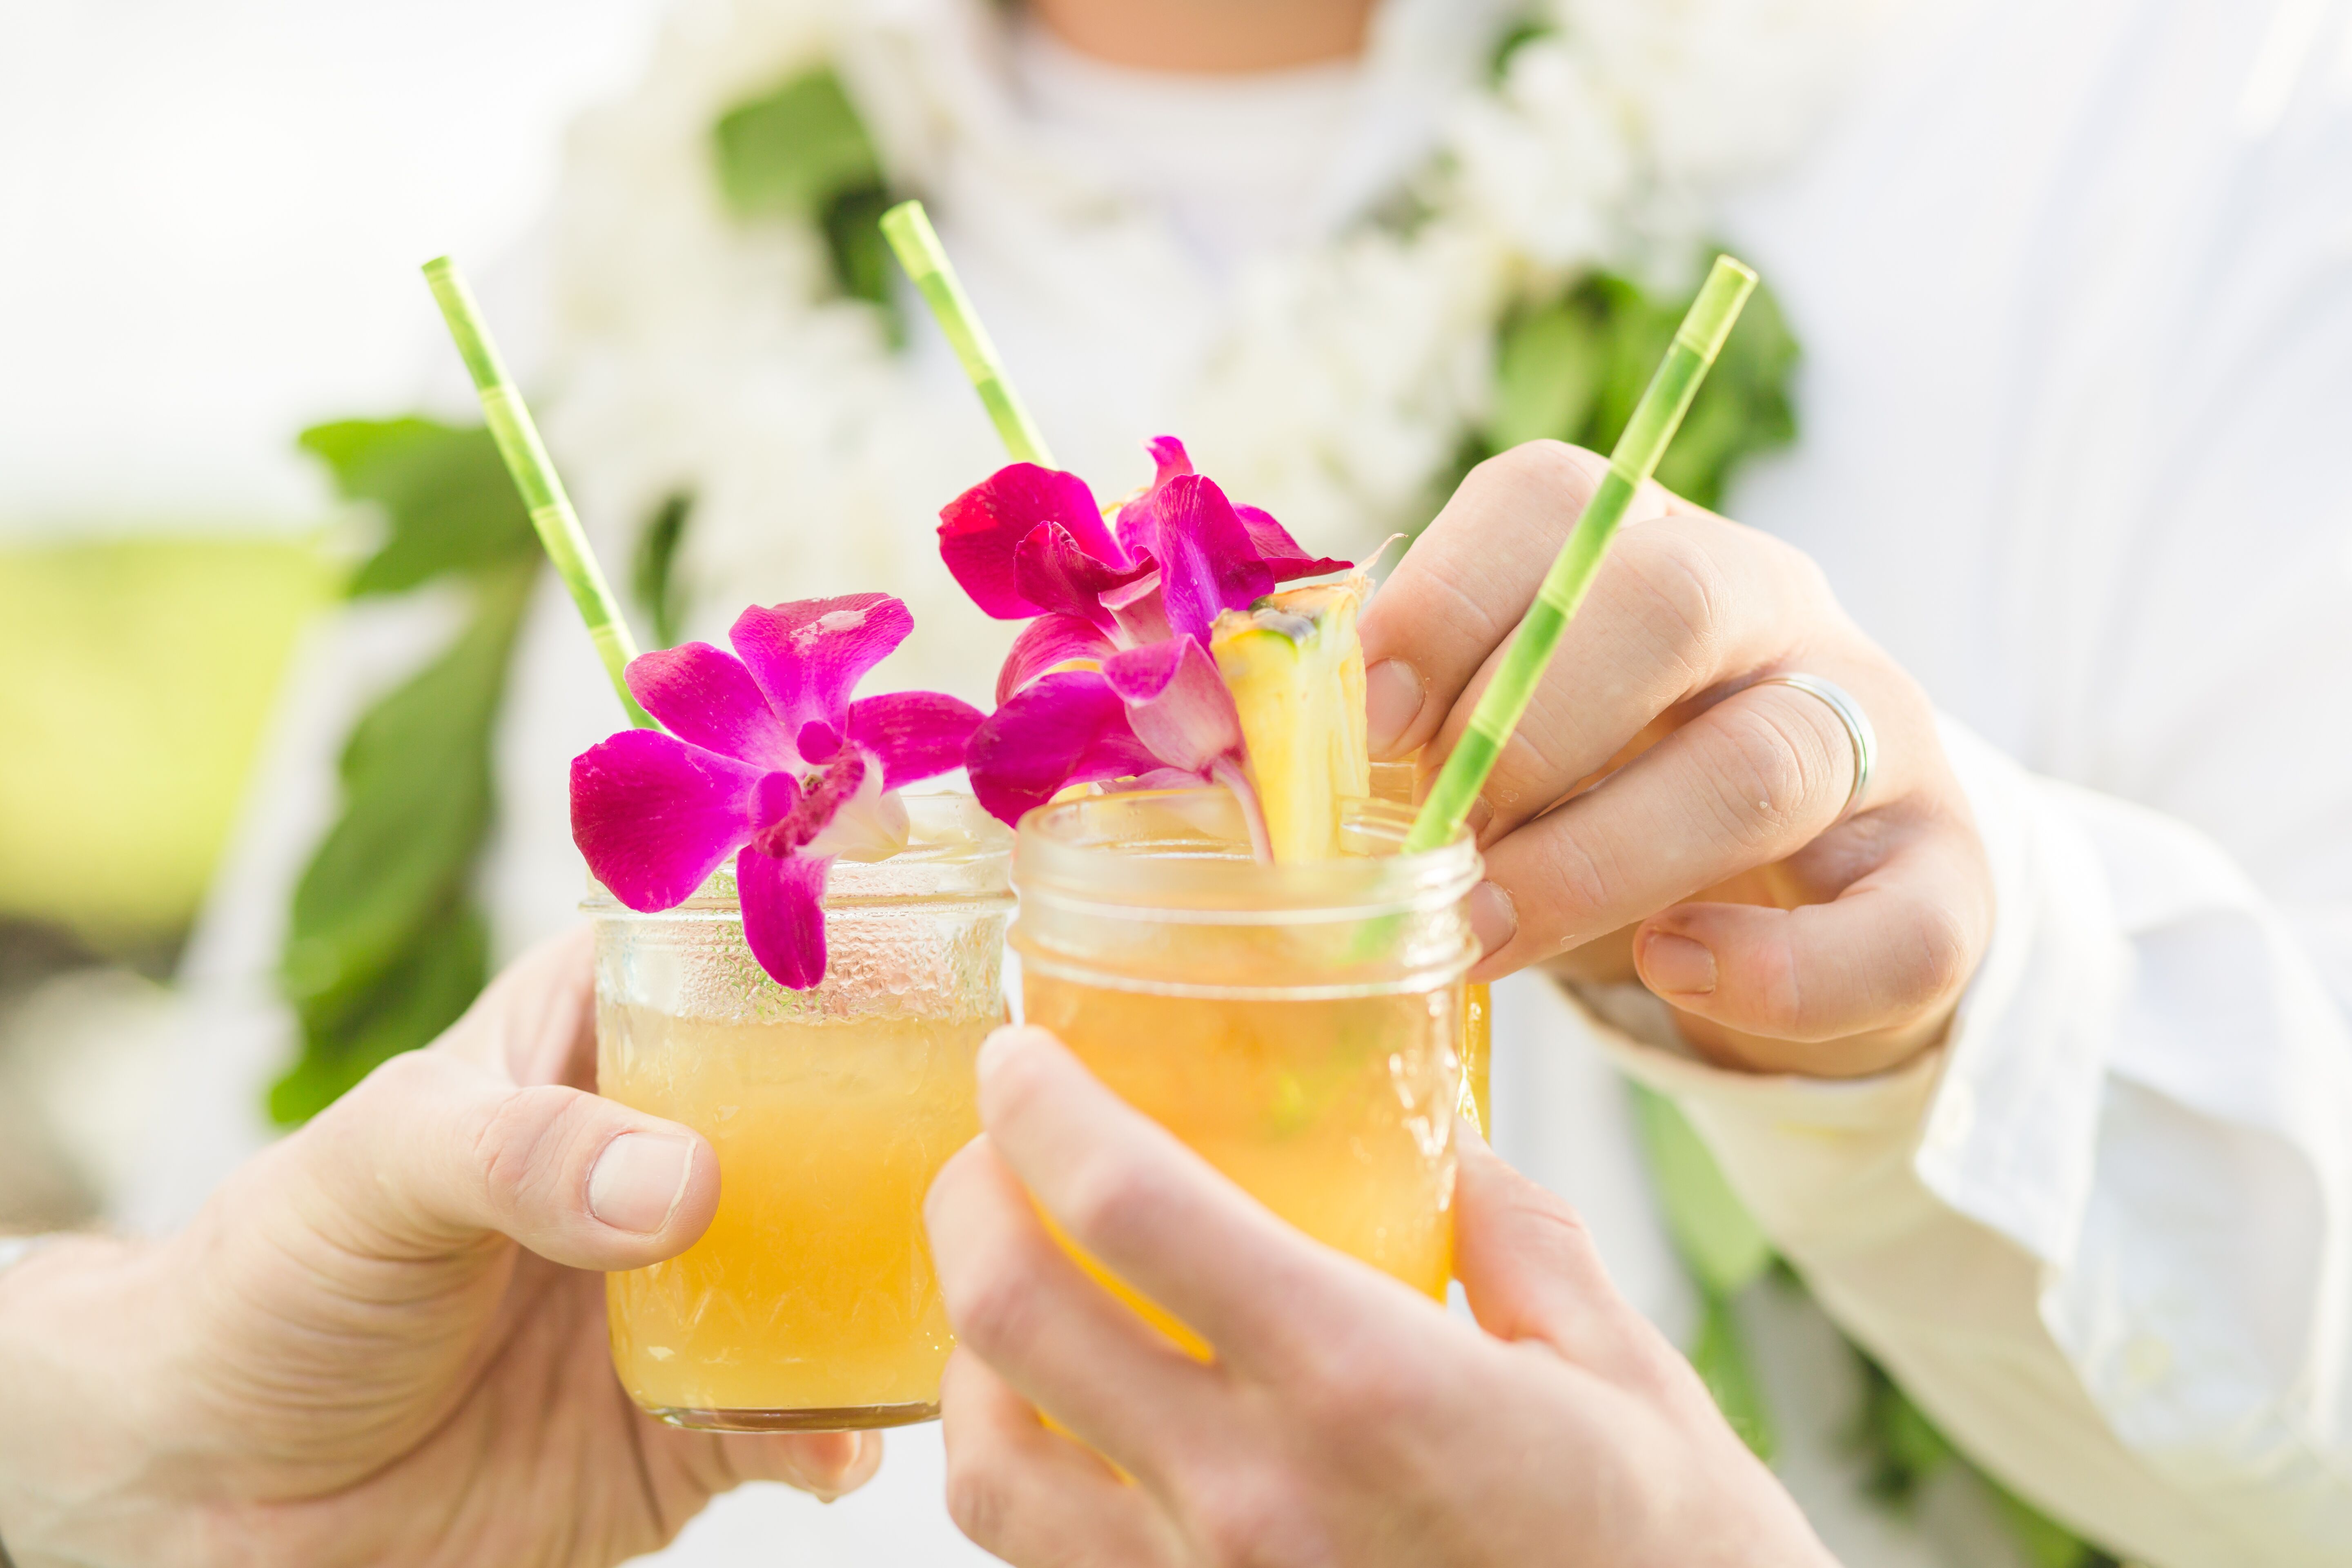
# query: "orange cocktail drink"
[809,1303]
[1297,1025]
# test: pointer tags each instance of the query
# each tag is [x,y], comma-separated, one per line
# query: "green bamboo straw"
[909,229]
[1697,343]
[534,476]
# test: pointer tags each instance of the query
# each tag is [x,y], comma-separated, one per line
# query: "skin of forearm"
[84,1330]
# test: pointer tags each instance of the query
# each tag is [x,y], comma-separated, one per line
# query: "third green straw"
[534,476]
[909,229]
[1697,343]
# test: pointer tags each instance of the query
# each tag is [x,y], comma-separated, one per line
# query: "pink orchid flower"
[766,759]
[1112,677]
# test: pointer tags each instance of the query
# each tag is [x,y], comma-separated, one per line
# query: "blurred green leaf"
[653,576]
[789,152]
[1712,1229]
[385,945]
[801,152]
[1721,1359]
[1573,369]
[1548,372]
[416,807]
[447,500]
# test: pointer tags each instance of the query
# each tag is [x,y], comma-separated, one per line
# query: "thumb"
[1529,1267]
[433,1152]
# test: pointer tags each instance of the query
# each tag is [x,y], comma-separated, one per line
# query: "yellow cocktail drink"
[812,1291]
[809,1304]
[1297,1025]
[1336,1115]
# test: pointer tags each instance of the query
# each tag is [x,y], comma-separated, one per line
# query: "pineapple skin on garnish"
[1296,670]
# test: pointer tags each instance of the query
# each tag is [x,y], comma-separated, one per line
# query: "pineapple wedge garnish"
[1295,670]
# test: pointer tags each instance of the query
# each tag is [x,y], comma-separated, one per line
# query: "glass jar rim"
[956,853]
[1185,855]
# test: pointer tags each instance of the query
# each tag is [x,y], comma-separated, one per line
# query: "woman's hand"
[382,1342]
[1346,1417]
[1790,931]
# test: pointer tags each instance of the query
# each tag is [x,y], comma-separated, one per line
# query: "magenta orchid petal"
[1052,571]
[707,697]
[784,915]
[1138,527]
[1045,642]
[1140,611]
[914,735]
[981,529]
[1206,564]
[1066,729]
[817,742]
[1176,704]
[654,816]
[1281,552]
[808,655]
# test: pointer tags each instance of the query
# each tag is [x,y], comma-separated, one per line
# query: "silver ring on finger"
[1858,732]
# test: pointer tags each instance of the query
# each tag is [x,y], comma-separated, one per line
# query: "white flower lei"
[695,353]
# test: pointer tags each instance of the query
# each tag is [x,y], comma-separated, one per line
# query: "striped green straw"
[909,229]
[534,476]
[1697,343]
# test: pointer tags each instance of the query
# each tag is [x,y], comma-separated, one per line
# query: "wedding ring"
[1858,732]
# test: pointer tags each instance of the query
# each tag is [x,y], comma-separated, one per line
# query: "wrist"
[77,1339]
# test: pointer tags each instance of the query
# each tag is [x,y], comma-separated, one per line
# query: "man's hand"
[1821,942]
[382,1342]
[1345,1418]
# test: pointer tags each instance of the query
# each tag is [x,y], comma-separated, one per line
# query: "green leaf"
[788,153]
[860,255]
[447,501]
[1721,1359]
[653,574]
[1715,1236]
[1548,372]
[416,806]
[426,989]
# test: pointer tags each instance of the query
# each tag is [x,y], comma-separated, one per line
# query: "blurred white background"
[211,216]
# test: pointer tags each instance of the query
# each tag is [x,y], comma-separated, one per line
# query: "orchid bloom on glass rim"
[1113,676]
[766,758]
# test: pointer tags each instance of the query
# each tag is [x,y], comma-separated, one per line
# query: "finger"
[1029,1495]
[1019,1301]
[536,1022]
[1680,612]
[826,1464]
[432,1152]
[1529,1267]
[1469,579]
[1749,780]
[1159,1216]
[1877,969]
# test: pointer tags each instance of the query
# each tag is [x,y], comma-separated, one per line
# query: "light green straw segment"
[534,476]
[1697,343]
[909,229]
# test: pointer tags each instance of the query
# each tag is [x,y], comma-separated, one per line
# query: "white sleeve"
[2104,1233]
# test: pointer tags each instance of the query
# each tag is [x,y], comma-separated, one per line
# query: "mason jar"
[810,1304]
[1296,1025]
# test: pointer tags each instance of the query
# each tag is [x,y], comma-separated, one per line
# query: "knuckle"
[977,1500]
[1113,1198]
[1552,471]
[1684,590]
[1945,956]
[521,1145]
[1774,766]
[995,1310]
[1261,1517]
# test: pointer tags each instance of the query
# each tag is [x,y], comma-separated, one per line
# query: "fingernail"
[1392,696]
[1493,919]
[638,1181]
[1676,966]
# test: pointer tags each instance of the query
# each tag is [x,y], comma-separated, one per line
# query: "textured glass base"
[848,1418]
